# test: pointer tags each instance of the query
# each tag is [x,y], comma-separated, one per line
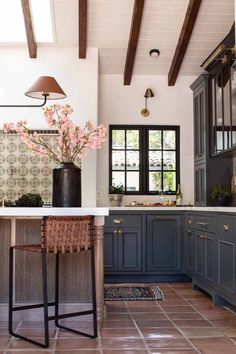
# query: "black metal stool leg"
[93,276]
[45,297]
[10,290]
[57,289]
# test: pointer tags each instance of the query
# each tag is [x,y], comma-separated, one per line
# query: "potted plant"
[220,196]
[29,200]
[116,193]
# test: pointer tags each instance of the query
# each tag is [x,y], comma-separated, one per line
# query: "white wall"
[79,80]
[120,104]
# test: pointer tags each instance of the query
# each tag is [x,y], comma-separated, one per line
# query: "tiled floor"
[185,322]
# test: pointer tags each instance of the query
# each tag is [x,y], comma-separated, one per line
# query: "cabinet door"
[200,185]
[129,250]
[189,250]
[110,249]
[226,256]
[163,243]
[200,254]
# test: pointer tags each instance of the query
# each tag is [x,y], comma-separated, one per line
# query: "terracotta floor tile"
[35,332]
[4,333]
[122,343]
[149,316]
[216,314]
[82,351]
[171,296]
[227,322]
[124,351]
[126,332]
[201,332]
[147,309]
[218,350]
[185,316]
[77,343]
[21,344]
[35,324]
[175,302]
[142,303]
[154,323]
[168,343]
[213,342]
[155,333]
[4,343]
[177,308]
[174,351]
[118,316]
[198,302]
[181,285]
[39,351]
[118,324]
[192,323]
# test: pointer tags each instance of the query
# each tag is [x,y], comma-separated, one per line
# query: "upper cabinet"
[222,97]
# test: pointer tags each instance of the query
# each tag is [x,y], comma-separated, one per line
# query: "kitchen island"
[22,226]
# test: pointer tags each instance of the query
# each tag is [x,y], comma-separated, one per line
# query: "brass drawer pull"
[226,227]
[202,223]
[117,221]
[202,236]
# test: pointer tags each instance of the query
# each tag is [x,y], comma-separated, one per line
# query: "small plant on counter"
[119,189]
[220,196]
[29,200]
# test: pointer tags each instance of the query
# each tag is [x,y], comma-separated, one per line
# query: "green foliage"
[117,189]
[219,192]
[29,200]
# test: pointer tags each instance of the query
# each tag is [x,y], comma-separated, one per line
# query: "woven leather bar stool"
[62,234]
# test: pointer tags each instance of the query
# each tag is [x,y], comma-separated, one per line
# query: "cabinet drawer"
[226,225]
[205,223]
[122,220]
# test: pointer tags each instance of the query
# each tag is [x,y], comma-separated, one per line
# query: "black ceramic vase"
[66,185]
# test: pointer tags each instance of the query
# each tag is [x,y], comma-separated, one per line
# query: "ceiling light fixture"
[145,112]
[154,53]
[46,88]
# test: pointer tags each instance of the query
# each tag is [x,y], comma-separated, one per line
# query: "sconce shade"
[149,93]
[46,86]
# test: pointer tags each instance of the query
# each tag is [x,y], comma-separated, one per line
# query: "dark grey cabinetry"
[122,251]
[163,243]
[226,256]
[208,171]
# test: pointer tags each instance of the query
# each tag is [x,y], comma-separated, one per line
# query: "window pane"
[118,139]
[132,137]
[154,181]
[118,160]
[132,181]
[154,138]
[169,139]
[118,178]
[169,160]
[169,181]
[154,160]
[132,159]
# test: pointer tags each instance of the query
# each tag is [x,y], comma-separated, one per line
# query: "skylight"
[12,28]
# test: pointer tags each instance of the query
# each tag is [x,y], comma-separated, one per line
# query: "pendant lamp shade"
[46,86]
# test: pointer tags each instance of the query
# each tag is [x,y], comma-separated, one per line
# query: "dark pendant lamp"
[46,88]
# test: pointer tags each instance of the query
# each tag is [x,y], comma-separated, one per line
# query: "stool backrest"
[67,233]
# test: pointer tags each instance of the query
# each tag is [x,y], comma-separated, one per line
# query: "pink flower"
[72,141]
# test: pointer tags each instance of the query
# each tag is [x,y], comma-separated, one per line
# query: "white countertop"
[45,211]
[185,208]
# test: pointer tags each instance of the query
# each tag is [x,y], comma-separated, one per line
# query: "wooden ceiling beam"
[82,28]
[184,37]
[133,40]
[32,46]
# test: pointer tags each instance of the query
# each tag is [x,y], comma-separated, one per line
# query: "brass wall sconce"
[46,88]
[145,112]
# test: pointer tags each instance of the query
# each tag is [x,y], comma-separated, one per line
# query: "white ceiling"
[109,26]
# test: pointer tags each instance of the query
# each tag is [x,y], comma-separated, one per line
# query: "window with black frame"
[144,159]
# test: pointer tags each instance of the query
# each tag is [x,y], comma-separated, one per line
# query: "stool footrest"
[27,307]
[72,314]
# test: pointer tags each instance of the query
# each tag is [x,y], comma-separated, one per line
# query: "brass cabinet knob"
[189,222]
[115,232]
[120,232]
[226,227]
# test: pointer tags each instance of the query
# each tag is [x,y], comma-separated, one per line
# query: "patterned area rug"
[120,293]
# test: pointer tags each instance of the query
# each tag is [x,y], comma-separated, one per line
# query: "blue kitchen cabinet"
[163,243]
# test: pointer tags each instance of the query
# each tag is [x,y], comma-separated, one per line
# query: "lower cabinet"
[226,257]
[205,255]
[122,250]
[163,243]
